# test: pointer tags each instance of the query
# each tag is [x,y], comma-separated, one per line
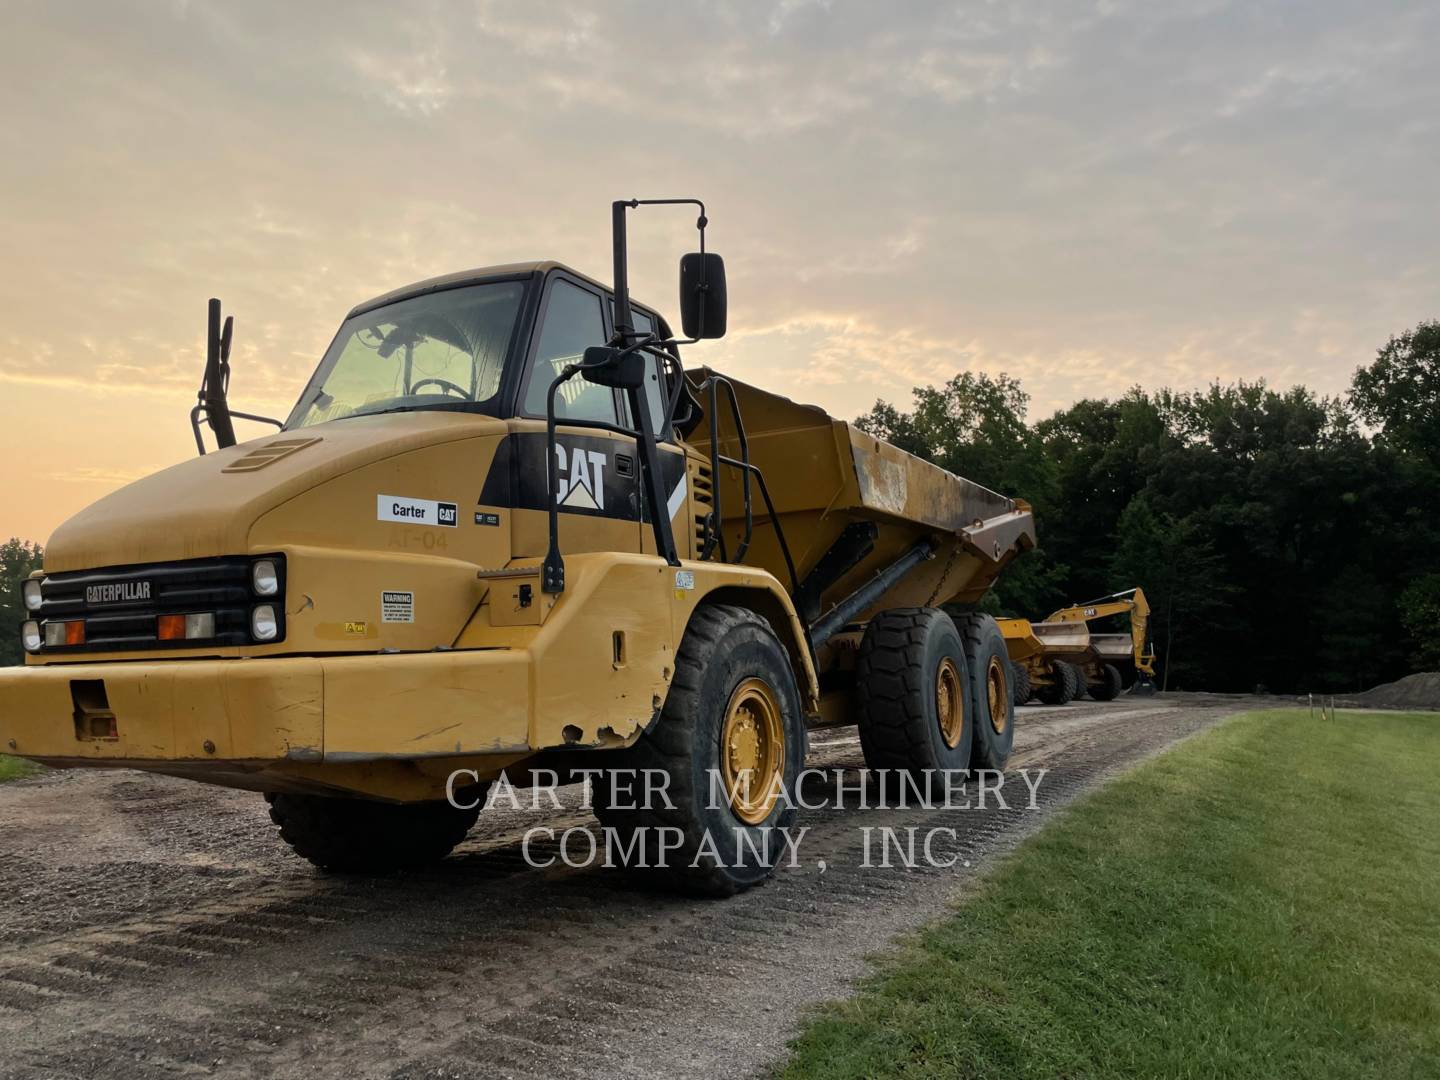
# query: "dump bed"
[1113,648]
[1053,640]
[826,476]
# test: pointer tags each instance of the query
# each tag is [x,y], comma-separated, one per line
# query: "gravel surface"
[155,927]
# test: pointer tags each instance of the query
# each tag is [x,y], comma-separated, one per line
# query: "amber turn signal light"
[71,632]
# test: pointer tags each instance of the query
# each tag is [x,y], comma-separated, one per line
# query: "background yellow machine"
[1061,658]
[501,530]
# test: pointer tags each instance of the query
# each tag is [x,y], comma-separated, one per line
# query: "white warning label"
[397,606]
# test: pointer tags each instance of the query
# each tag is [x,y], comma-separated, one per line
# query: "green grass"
[14,768]
[1264,901]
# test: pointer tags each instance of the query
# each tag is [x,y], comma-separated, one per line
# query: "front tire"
[361,836]
[733,713]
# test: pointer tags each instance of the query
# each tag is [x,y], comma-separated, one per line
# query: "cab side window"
[574,320]
[645,324]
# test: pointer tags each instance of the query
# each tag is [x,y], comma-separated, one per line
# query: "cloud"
[99,474]
[1086,196]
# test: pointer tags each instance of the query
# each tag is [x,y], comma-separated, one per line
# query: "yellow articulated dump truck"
[1061,658]
[502,530]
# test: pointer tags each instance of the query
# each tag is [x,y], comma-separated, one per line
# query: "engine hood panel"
[207,505]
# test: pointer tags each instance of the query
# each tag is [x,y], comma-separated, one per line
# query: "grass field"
[14,768]
[1264,901]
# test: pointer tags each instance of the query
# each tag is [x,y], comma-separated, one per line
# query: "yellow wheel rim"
[997,694]
[949,703]
[752,751]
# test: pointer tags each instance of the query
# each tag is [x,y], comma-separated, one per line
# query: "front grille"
[121,605]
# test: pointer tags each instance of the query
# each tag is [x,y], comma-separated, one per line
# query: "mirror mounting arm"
[213,404]
[623,323]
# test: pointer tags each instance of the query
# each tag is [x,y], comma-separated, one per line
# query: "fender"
[758,591]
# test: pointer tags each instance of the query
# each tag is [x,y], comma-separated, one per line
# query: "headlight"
[265,578]
[31,591]
[30,636]
[263,625]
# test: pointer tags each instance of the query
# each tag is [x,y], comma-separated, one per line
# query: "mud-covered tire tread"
[669,745]
[892,690]
[360,836]
[1112,682]
[1020,676]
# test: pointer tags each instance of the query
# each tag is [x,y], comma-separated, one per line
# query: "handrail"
[552,579]
[714,530]
[716,512]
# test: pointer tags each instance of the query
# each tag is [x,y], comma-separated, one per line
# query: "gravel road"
[155,927]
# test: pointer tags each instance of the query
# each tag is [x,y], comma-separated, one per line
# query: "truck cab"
[432,395]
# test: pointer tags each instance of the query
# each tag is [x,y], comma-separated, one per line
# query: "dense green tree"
[1183,579]
[1271,480]
[1399,396]
[1102,454]
[17,559]
[1400,392]
[974,426]
[1420,612]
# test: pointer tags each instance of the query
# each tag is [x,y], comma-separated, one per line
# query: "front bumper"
[304,710]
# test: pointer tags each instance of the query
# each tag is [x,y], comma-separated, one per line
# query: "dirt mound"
[1419,691]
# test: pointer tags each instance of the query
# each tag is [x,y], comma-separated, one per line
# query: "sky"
[1085,196]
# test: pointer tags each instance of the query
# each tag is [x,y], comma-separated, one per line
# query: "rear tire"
[733,709]
[361,836]
[1062,685]
[1082,682]
[992,691]
[912,689]
[1023,689]
[1108,689]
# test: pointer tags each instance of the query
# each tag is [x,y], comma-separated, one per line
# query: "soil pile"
[1419,691]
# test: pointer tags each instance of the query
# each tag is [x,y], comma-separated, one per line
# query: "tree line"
[1285,540]
[17,559]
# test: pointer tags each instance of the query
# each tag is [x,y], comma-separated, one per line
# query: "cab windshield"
[442,350]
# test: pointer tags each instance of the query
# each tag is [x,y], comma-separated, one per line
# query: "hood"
[206,506]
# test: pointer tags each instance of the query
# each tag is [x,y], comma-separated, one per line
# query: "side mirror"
[702,295]
[605,366]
